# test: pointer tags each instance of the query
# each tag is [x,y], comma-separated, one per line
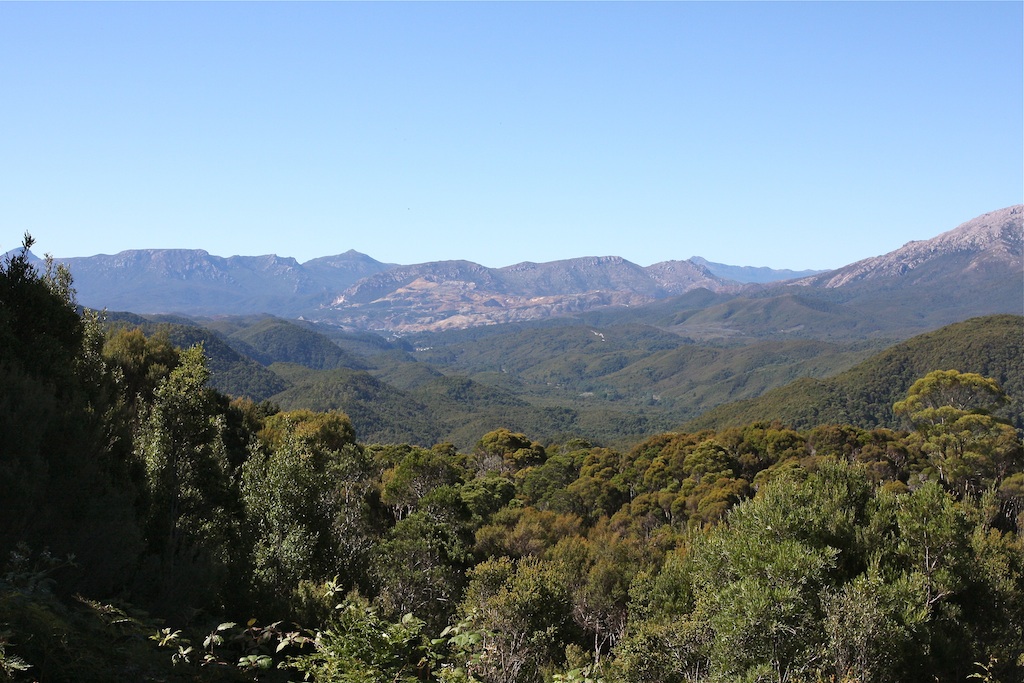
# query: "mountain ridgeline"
[440,351]
[971,270]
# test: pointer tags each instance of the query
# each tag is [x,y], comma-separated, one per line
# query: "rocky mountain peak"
[994,238]
[679,277]
[996,231]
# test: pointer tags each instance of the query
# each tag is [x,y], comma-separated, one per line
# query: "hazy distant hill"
[194,282]
[751,273]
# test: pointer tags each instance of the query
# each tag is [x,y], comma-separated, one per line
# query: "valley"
[595,348]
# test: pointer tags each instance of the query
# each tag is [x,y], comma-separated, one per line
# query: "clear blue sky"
[791,135]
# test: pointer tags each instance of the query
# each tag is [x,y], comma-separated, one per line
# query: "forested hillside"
[863,395]
[613,385]
[155,529]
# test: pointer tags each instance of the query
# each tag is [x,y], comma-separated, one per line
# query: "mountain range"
[973,269]
[593,347]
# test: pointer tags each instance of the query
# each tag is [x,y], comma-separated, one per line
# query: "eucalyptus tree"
[952,414]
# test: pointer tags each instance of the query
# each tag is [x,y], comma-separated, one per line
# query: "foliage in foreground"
[274,546]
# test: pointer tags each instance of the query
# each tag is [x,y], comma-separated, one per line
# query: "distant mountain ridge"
[459,294]
[745,274]
[356,291]
[194,282]
[974,269]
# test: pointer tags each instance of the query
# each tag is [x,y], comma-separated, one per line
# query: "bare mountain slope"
[975,269]
[992,240]
[459,294]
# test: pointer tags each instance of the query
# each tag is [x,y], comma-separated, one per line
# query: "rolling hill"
[610,385]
